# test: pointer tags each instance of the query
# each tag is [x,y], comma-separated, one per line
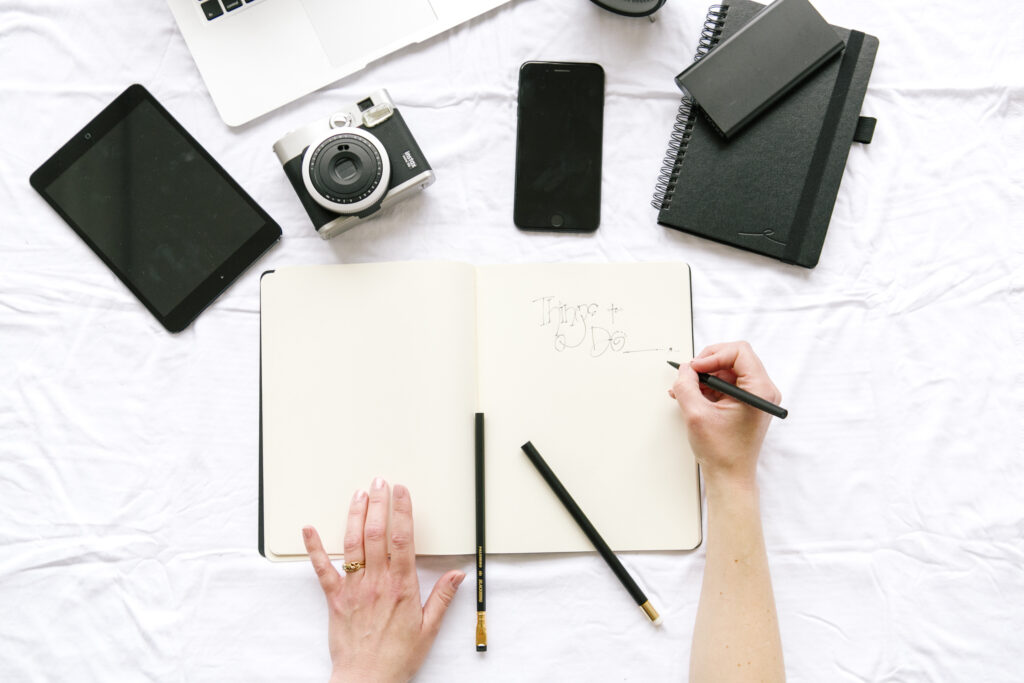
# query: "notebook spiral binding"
[682,128]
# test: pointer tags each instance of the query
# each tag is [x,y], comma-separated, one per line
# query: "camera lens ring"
[330,186]
[345,169]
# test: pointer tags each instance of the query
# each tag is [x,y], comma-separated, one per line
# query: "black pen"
[481,585]
[739,394]
[591,532]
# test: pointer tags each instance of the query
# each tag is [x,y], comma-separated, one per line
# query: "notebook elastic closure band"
[812,186]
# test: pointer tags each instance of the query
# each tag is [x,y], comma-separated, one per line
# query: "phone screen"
[558,146]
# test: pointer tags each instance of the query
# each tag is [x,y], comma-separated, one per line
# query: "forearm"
[736,637]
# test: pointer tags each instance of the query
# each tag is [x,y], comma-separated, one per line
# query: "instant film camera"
[359,160]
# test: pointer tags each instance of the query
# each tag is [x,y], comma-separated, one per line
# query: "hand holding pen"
[725,433]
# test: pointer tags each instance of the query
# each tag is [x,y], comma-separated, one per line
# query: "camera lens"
[345,171]
[345,168]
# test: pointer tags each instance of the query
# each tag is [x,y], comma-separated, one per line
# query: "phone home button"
[557,221]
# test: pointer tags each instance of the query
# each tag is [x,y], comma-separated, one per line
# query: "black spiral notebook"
[771,188]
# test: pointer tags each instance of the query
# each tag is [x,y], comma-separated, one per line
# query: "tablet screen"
[153,204]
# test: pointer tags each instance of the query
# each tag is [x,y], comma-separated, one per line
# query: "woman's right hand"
[725,434]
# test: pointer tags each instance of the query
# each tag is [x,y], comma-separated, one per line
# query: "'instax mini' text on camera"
[359,160]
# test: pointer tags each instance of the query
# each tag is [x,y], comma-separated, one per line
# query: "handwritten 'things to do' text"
[589,326]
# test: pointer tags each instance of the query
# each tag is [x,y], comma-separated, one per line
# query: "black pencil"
[738,394]
[481,583]
[591,532]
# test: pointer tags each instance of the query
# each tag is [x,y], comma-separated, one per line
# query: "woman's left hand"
[377,629]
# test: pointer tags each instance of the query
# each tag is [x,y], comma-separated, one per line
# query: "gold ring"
[352,567]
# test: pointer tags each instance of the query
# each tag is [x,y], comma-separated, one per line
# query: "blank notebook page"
[368,370]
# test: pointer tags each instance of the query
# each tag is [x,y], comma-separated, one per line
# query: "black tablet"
[156,207]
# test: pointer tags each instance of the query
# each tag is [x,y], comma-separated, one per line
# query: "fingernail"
[399,491]
[358,496]
[378,483]
[457,581]
[307,532]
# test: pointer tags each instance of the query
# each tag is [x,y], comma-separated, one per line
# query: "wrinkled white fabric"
[891,496]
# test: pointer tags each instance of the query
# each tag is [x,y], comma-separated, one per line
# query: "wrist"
[730,481]
[733,500]
[339,676]
[361,676]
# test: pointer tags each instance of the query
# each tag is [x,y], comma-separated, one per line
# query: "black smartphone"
[558,146]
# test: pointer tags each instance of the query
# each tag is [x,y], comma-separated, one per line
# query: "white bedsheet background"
[891,496]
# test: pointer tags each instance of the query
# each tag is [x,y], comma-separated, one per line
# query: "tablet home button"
[557,220]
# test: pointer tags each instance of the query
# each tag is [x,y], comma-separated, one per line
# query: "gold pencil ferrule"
[481,631]
[651,613]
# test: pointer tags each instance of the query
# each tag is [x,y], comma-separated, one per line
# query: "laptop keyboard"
[216,8]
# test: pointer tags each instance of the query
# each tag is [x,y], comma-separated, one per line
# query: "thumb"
[439,599]
[687,393]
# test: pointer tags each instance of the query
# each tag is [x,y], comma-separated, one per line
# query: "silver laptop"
[256,55]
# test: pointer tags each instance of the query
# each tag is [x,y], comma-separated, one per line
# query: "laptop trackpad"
[355,29]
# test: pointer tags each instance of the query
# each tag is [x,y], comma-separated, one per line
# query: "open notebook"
[377,370]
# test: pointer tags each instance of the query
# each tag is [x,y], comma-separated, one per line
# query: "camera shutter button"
[341,120]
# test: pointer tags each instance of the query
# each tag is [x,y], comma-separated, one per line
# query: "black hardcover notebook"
[771,188]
